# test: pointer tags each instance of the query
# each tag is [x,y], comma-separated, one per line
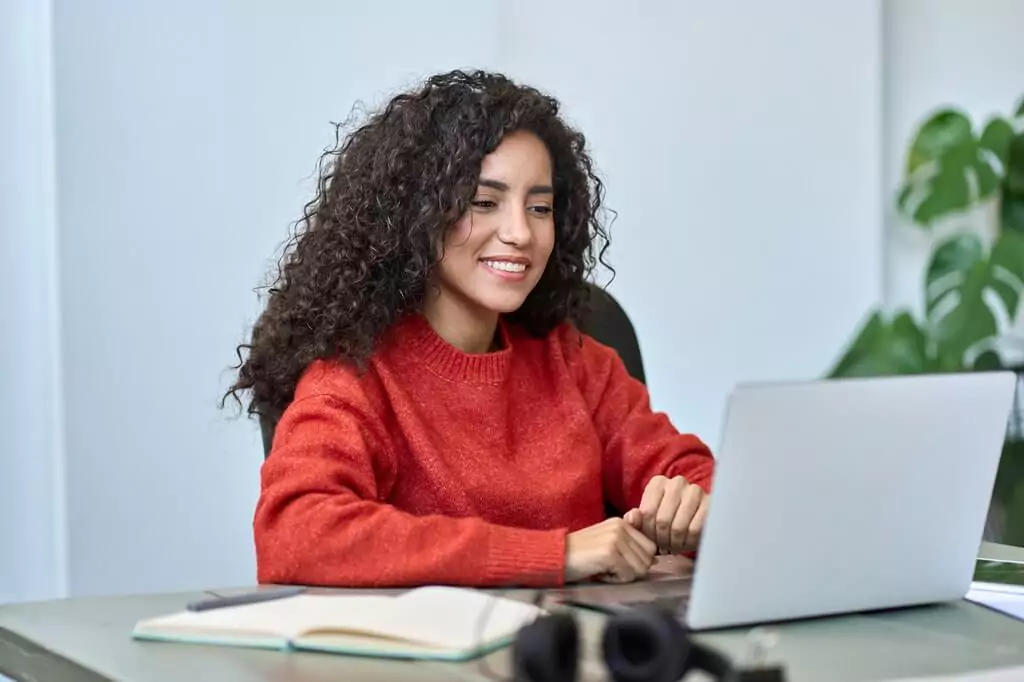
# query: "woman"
[441,419]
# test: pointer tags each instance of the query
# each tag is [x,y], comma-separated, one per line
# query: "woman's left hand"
[671,513]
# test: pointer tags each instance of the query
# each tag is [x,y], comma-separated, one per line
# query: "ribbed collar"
[417,341]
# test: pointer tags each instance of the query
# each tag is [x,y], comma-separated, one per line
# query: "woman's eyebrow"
[503,187]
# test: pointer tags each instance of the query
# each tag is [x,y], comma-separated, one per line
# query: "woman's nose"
[516,228]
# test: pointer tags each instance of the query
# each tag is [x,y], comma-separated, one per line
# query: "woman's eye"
[483,203]
[541,210]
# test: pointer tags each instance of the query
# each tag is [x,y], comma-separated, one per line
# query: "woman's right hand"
[613,550]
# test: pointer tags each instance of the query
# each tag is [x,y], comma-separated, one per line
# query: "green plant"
[973,286]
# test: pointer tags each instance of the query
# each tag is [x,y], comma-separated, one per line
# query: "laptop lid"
[849,495]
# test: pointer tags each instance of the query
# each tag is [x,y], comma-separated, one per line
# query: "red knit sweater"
[436,466]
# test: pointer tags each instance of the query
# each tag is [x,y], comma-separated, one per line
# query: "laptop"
[839,496]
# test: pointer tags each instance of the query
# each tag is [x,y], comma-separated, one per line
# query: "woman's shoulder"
[335,379]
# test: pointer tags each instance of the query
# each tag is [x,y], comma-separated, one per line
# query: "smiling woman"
[442,419]
[495,254]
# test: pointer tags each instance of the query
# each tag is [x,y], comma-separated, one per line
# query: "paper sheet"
[1014,674]
[1008,599]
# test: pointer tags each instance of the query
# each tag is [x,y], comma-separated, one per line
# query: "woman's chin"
[502,305]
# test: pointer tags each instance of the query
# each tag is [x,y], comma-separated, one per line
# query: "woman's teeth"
[505,266]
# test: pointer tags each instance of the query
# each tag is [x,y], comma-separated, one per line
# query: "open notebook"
[436,622]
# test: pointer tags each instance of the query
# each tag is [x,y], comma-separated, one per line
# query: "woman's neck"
[461,324]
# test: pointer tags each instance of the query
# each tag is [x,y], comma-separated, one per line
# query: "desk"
[88,640]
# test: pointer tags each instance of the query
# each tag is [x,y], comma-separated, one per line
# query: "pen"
[244,599]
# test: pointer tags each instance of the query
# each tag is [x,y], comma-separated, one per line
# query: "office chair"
[604,320]
[607,323]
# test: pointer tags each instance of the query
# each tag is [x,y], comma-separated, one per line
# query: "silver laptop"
[847,495]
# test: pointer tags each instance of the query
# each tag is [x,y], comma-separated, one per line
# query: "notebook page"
[458,618]
[444,618]
[285,618]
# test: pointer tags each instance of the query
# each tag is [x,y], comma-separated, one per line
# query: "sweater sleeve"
[322,517]
[638,442]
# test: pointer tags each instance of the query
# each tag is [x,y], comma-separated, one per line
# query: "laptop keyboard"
[670,597]
[671,604]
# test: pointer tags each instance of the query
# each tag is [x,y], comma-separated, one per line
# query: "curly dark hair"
[368,243]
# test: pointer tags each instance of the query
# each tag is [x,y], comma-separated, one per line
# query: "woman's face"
[496,253]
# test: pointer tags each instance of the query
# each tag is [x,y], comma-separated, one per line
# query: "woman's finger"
[689,504]
[666,513]
[697,524]
[643,543]
[638,562]
[621,569]
[649,504]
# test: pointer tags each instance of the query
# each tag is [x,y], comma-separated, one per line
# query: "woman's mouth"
[506,269]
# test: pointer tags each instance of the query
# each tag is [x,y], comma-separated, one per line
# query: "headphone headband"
[638,645]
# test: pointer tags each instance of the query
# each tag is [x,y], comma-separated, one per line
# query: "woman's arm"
[639,444]
[322,518]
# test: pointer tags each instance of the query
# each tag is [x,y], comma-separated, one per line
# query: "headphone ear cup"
[642,645]
[547,650]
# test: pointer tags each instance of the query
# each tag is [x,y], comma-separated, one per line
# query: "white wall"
[186,135]
[748,242]
[31,499]
[940,53]
[741,144]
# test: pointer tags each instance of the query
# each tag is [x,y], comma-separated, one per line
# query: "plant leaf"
[970,320]
[909,346]
[988,361]
[945,161]
[945,130]
[863,343]
[950,260]
[1012,213]
[904,196]
[1015,165]
[1007,261]
[947,193]
[958,316]
[885,348]
[996,138]
[1012,210]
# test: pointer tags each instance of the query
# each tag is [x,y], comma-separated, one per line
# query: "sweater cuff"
[701,478]
[525,558]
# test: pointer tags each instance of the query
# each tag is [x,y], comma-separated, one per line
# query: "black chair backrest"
[605,321]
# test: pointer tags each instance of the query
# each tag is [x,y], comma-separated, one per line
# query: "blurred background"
[767,162]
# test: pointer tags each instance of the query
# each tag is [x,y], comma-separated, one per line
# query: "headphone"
[638,645]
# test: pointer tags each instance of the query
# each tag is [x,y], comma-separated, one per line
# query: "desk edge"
[23,659]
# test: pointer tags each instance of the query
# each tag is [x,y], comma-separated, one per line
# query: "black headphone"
[638,645]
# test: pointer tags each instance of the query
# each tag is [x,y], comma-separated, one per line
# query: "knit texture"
[439,467]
